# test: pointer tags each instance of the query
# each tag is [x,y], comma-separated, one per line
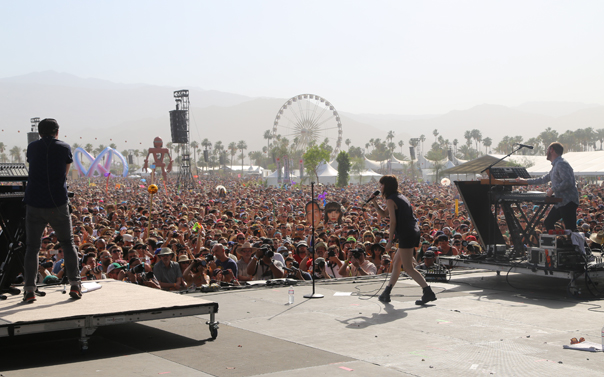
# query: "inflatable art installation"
[98,167]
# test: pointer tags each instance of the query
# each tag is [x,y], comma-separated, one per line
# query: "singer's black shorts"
[409,240]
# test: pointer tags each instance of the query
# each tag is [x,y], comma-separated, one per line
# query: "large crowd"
[186,238]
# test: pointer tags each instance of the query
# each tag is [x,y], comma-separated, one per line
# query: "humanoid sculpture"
[159,153]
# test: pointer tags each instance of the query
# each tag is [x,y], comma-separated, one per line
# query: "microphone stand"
[496,222]
[312,244]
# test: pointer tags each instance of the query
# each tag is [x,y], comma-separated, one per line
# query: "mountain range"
[130,115]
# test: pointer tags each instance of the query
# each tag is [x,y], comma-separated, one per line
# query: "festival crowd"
[242,231]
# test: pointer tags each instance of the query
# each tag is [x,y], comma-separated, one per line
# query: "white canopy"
[583,163]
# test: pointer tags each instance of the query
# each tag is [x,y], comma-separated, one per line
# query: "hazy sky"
[399,57]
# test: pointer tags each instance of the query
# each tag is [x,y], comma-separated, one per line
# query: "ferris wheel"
[306,118]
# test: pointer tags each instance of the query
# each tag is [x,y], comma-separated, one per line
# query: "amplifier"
[547,240]
[555,258]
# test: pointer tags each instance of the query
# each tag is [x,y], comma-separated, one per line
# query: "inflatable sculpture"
[98,167]
[159,153]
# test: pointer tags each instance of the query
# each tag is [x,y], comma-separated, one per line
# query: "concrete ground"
[480,325]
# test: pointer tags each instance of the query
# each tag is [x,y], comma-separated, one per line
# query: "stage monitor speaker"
[130,160]
[205,155]
[412,152]
[32,136]
[178,126]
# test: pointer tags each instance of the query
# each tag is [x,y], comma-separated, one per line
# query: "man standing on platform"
[563,184]
[47,203]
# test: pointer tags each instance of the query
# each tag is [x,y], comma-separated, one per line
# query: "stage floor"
[107,302]
[479,326]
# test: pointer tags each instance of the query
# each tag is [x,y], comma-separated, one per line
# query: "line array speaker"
[178,126]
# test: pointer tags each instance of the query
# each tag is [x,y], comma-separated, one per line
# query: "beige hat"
[183,258]
[165,251]
[597,237]
[247,245]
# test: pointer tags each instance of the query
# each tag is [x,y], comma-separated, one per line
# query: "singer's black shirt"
[407,229]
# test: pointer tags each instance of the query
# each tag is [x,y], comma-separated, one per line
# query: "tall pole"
[312,244]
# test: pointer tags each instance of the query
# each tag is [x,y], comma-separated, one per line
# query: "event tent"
[583,163]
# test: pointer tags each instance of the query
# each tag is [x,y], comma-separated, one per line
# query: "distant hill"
[554,109]
[131,115]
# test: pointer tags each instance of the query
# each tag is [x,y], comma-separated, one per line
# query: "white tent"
[273,178]
[366,176]
[583,163]
[374,165]
[327,174]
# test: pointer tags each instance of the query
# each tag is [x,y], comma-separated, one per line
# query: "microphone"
[524,146]
[372,196]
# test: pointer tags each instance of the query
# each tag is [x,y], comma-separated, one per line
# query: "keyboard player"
[563,185]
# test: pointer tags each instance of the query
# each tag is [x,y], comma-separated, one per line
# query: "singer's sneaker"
[76,291]
[29,297]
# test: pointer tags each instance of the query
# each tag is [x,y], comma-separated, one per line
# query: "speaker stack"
[178,126]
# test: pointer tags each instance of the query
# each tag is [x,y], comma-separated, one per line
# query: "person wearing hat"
[46,203]
[246,251]
[167,271]
[596,240]
[301,253]
[116,271]
[403,225]
[307,261]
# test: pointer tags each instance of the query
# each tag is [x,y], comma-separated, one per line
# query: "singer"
[563,185]
[403,225]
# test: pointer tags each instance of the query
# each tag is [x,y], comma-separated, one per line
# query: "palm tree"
[99,149]
[170,146]
[257,156]
[137,154]
[400,144]
[390,136]
[205,143]
[477,136]
[232,151]
[3,157]
[242,146]
[268,135]
[347,142]
[455,142]
[391,147]
[487,142]
[218,149]
[422,138]
[74,146]
[435,133]
[88,148]
[195,145]
[112,146]
[468,136]
[372,142]
[3,147]
[15,154]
